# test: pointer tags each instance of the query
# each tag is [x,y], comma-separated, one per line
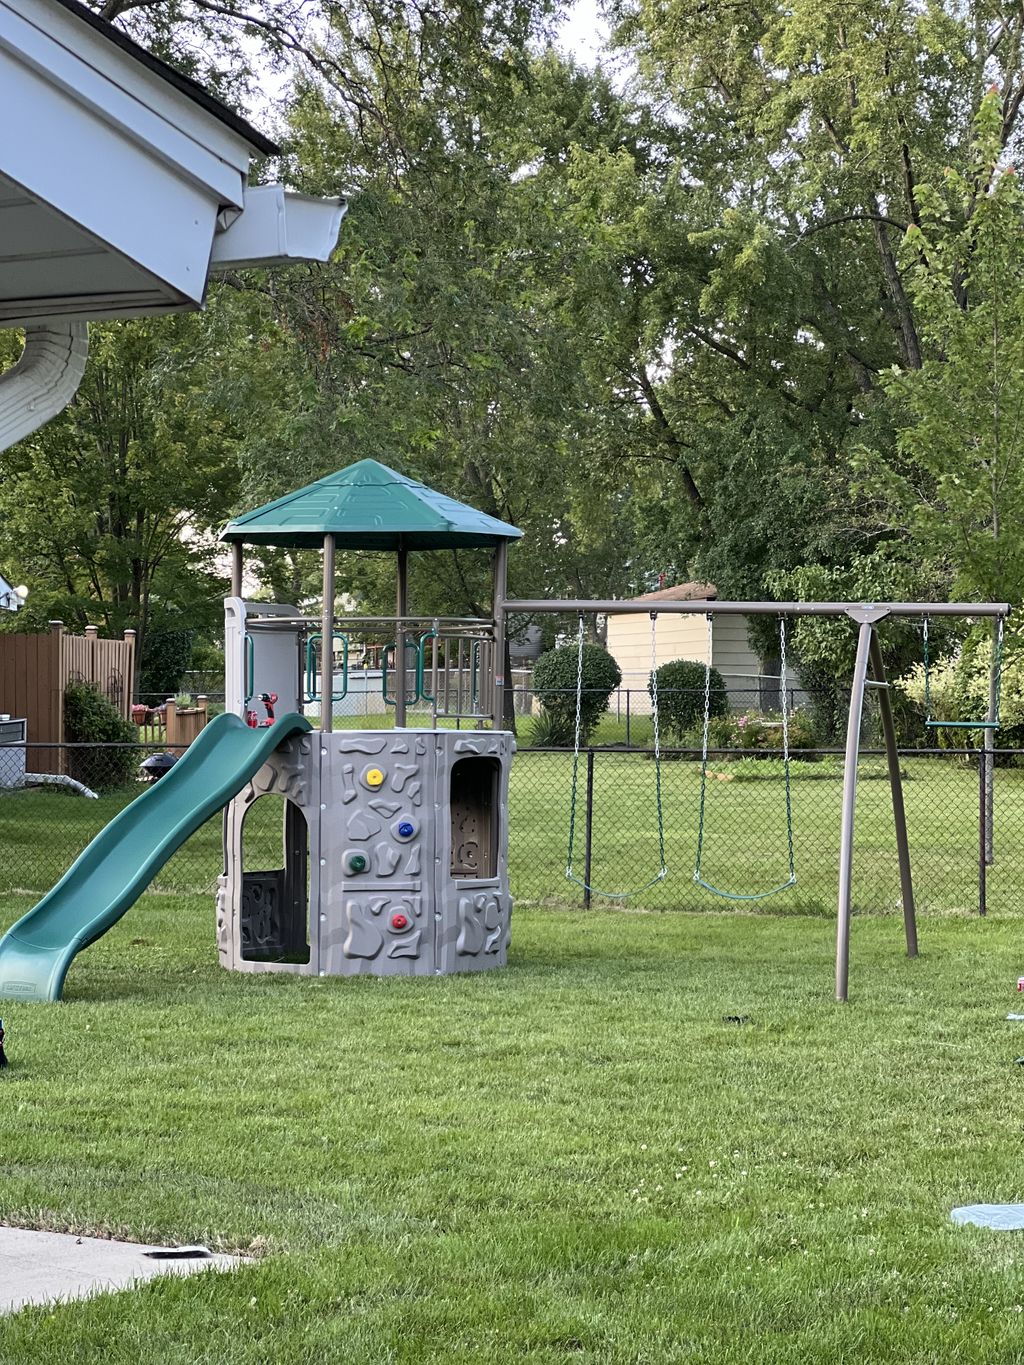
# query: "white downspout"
[44,380]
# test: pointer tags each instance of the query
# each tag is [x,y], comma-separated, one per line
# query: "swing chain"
[993,721]
[663,869]
[783,686]
[704,748]
[576,751]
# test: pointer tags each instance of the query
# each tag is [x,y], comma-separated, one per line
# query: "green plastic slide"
[111,874]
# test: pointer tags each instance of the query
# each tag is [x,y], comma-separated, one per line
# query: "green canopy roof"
[369,507]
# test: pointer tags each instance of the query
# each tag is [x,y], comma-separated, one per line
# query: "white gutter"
[277,226]
[44,380]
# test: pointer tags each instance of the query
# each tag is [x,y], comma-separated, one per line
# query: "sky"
[583,33]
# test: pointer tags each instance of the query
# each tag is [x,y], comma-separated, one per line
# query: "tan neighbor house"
[684,637]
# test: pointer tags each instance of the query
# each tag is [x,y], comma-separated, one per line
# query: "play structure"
[394,854]
[869,672]
[394,842]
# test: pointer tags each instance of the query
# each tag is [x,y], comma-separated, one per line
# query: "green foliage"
[165,657]
[555,676]
[960,479]
[111,511]
[756,730]
[681,695]
[959,690]
[548,731]
[91,718]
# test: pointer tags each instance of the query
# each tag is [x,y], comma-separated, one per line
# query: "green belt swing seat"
[698,875]
[662,872]
[992,722]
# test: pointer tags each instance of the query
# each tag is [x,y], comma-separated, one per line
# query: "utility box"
[406,835]
[12,752]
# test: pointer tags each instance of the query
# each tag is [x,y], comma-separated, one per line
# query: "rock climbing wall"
[376,838]
[408,856]
[386,837]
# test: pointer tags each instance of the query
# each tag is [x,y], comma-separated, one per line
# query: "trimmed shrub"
[91,718]
[681,695]
[166,654]
[554,684]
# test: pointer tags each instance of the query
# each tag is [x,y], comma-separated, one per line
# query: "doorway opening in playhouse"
[275,882]
[475,786]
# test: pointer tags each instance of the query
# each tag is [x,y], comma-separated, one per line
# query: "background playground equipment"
[868,671]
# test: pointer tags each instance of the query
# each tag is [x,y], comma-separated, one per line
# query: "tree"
[111,511]
[959,482]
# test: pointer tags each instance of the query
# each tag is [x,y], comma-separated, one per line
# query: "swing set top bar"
[855,610]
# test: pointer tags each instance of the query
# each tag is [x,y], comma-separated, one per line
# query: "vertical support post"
[860,671]
[236,569]
[989,745]
[129,673]
[588,854]
[629,693]
[401,610]
[983,754]
[498,611]
[327,640]
[899,814]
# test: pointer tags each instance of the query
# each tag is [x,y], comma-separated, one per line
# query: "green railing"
[313,672]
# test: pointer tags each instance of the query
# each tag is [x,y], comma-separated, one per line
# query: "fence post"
[629,693]
[129,673]
[982,829]
[589,835]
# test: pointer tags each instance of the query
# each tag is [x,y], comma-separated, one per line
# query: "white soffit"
[135,170]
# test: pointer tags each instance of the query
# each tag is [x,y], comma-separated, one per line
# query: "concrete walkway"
[43,1267]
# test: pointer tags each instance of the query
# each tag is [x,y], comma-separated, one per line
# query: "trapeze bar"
[613,607]
[962,724]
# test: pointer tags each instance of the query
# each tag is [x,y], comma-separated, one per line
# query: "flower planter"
[184,725]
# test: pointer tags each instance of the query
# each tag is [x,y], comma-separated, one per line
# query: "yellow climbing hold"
[374,777]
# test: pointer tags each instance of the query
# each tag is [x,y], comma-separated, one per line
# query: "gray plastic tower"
[394,851]
[407,857]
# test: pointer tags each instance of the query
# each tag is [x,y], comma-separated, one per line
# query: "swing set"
[868,672]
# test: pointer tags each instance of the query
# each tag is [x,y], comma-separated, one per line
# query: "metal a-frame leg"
[869,654]
[899,813]
[860,673]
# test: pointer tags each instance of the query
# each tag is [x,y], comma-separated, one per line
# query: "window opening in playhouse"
[275,902]
[475,785]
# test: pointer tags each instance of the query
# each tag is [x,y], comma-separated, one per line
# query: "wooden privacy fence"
[35,670]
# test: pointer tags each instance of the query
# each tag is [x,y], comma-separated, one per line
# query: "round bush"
[555,681]
[681,695]
[91,718]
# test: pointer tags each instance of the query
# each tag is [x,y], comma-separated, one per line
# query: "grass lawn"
[576,1159]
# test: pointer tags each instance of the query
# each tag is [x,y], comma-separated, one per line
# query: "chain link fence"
[45,822]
